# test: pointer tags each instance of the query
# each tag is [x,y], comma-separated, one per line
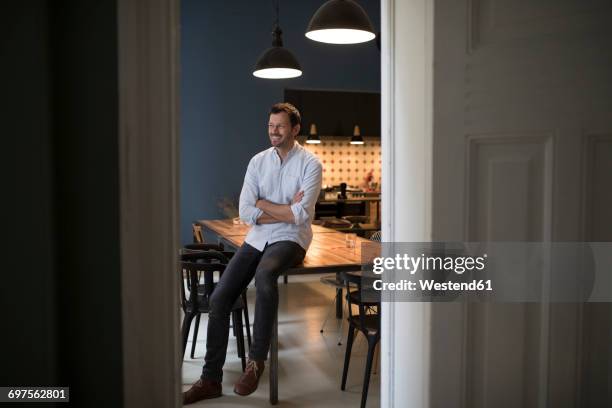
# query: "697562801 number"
[30,394]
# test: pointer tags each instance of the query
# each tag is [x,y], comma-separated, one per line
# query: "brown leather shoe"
[247,384]
[203,389]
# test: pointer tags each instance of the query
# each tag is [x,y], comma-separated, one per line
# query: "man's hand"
[297,197]
[282,212]
[267,219]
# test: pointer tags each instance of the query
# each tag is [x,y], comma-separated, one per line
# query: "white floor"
[310,362]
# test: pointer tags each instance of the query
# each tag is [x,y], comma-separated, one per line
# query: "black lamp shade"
[313,139]
[357,140]
[277,62]
[340,22]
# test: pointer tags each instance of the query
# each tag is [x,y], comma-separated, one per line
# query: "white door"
[522,151]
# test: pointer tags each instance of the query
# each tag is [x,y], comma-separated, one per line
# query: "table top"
[327,250]
[227,228]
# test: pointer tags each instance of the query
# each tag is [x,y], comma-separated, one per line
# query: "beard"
[276,139]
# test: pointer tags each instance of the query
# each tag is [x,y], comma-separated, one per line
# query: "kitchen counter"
[359,204]
[349,199]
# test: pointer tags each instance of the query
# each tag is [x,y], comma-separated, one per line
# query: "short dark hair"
[289,109]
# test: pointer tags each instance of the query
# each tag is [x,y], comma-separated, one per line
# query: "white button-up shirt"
[268,178]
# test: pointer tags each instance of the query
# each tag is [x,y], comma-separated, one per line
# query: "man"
[278,198]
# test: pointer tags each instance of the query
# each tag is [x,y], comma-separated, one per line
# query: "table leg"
[274,362]
[339,303]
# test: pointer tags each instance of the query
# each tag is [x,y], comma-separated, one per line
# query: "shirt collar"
[294,149]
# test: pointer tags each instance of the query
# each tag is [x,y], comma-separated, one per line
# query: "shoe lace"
[252,367]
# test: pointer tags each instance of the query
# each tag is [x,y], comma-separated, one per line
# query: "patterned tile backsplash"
[344,162]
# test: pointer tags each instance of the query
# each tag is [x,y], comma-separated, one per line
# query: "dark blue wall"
[224,107]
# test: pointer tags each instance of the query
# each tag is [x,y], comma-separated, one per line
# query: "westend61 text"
[429,285]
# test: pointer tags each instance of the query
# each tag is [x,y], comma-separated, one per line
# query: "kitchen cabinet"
[337,112]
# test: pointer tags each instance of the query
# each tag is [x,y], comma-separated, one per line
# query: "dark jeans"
[247,262]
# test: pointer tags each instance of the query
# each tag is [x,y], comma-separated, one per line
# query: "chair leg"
[285,278]
[237,315]
[185,329]
[376,352]
[233,325]
[244,355]
[366,377]
[247,322]
[347,356]
[195,335]
[340,332]
[328,314]
[338,303]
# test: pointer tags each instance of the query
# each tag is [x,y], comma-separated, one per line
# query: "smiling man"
[278,198]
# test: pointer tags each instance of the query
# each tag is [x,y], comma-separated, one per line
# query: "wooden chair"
[204,247]
[198,237]
[200,247]
[336,282]
[228,255]
[367,322]
[195,295]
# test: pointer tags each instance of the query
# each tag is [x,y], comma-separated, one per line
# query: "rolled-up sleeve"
[311,187]
[249,196]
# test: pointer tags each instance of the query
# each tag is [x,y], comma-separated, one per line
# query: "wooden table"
[327,253]
[328,248]
[231,234]
[330,253]
[227,227]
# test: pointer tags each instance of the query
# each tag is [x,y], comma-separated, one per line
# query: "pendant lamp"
[340,22]
[313,137]
[356,139]
[277,62]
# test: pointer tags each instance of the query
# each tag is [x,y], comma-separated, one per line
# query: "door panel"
[509,187]
[522,152]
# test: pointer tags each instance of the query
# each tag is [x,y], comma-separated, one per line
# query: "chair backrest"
[190,267]
[206,256]
[198,237]
[354,297]
[199,246]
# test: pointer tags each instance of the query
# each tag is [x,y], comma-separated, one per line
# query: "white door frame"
[407,29]
[148,41]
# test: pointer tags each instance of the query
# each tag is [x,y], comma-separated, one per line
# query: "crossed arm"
[274,213]
[254,210]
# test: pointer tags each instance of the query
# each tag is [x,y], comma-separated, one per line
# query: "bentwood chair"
[195,295]
[247,322]
[200,247]
[337,283]
[198,237]
[367,321]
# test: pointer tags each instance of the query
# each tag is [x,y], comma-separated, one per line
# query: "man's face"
[280,131]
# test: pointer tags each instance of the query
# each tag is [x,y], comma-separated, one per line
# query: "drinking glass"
[350,240]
